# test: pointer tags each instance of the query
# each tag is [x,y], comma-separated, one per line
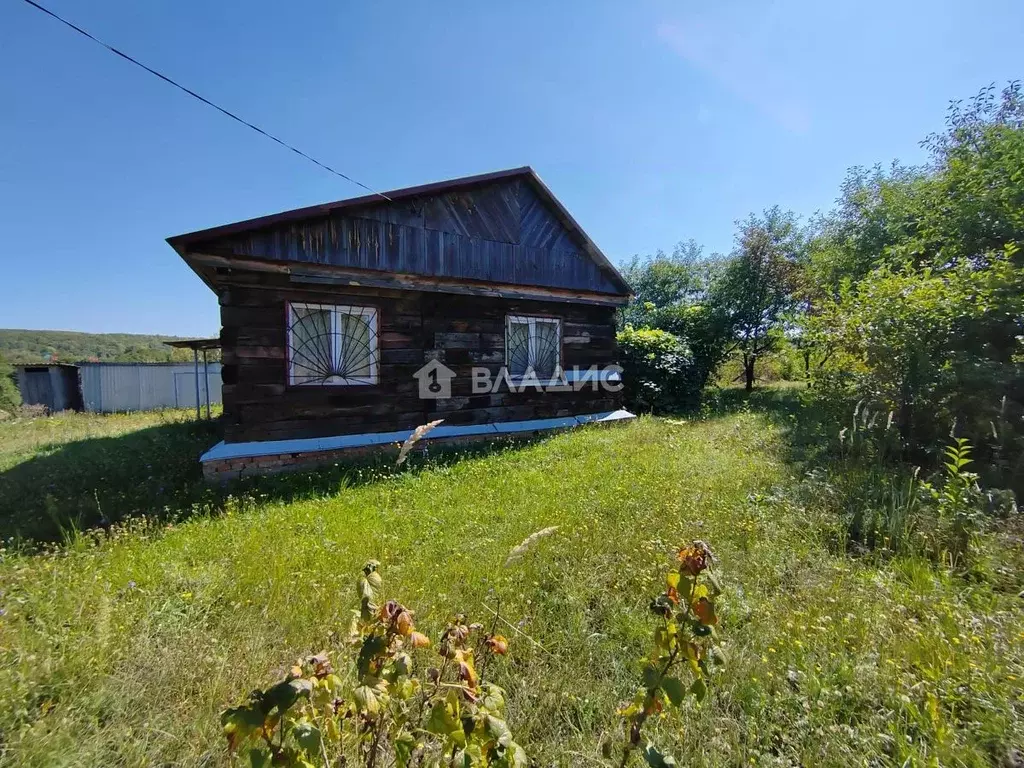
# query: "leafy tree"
[673,292]
[920,285]
[28,347]
[665,280]
[966,203]
[976,201]
[757,286]
[876,211]
[705,329]
[10,397]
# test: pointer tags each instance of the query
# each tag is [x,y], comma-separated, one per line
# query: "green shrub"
[914,289]
[939,350]
[10,397]
[676,293]
[658,370]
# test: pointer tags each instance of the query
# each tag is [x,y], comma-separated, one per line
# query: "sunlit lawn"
[79,470]
[124,653]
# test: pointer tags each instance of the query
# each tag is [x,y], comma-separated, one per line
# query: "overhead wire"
[203,99]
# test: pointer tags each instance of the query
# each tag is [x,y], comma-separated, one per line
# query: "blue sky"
[652,121]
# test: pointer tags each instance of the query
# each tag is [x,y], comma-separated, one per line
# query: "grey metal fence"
[109,387]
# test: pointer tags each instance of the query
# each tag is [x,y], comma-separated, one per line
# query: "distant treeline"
[21,347]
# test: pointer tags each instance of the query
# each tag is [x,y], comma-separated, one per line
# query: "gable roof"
[201,240]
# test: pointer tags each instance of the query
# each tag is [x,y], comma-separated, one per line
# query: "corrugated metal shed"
[112,387]
[53,385]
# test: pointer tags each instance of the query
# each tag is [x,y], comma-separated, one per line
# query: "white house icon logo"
[435,381]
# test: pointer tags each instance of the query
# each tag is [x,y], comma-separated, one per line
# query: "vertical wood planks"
[501,232]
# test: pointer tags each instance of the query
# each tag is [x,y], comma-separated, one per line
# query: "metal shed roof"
[194,344]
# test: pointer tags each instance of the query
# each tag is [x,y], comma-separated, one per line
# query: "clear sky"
[652,121]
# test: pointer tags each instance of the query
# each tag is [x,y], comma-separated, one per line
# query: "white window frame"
[337,310]
[531,340]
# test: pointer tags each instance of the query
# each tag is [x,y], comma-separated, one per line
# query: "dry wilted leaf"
[497,644]
[705,611]
[404,623]
[695,558]
[419,640]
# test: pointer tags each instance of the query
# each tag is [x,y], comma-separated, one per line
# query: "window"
[332,345]
[533,345]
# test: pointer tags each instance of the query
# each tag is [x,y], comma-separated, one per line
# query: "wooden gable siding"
[501,232]
[414,327]
[538,226]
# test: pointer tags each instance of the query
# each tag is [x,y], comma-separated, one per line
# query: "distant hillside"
[23,346]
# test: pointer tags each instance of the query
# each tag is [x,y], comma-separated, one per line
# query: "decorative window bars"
[332,345]
[533,345]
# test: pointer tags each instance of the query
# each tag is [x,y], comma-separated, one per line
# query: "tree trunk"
[748,371]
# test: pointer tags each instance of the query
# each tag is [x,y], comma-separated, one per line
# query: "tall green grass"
[74,471]
[124,652]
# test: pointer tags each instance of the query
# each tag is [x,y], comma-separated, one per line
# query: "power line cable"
[206,101]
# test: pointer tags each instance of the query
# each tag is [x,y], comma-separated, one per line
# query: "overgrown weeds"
[892,508]
[385,712]
[124,650]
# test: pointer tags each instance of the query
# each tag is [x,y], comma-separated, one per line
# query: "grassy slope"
[75,470]
[125,653]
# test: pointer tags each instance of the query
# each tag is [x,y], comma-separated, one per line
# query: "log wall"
[414,327]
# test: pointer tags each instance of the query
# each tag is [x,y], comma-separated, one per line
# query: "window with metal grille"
[332,345]
[533,345]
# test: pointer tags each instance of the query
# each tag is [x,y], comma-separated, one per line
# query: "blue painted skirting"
[224,450]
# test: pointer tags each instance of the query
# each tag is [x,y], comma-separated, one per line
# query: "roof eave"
[219,267]
[182,251]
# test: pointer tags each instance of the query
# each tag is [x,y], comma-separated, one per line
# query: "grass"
[74,471]
[124,652]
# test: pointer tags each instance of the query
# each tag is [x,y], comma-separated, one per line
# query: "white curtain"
[545,358]
[354,351]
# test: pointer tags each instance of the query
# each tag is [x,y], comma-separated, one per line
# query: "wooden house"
[479,301]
